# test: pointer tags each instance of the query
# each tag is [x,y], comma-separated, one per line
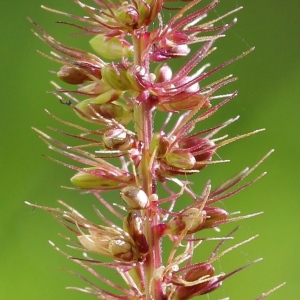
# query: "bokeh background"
[268,98]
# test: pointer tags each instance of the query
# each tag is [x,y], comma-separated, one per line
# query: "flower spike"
[123,88]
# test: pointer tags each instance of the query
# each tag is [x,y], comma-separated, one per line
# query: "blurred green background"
[268,98]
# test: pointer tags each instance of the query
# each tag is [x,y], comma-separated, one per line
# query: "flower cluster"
[119,87]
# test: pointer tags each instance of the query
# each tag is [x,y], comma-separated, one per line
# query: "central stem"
[143,117]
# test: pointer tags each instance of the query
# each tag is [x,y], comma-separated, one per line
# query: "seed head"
[119,88]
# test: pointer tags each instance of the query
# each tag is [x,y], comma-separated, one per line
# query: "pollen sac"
[134,197]
[111,47]
[201,287]
[117,139]
[133,224]
[93,178]
[180,159]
